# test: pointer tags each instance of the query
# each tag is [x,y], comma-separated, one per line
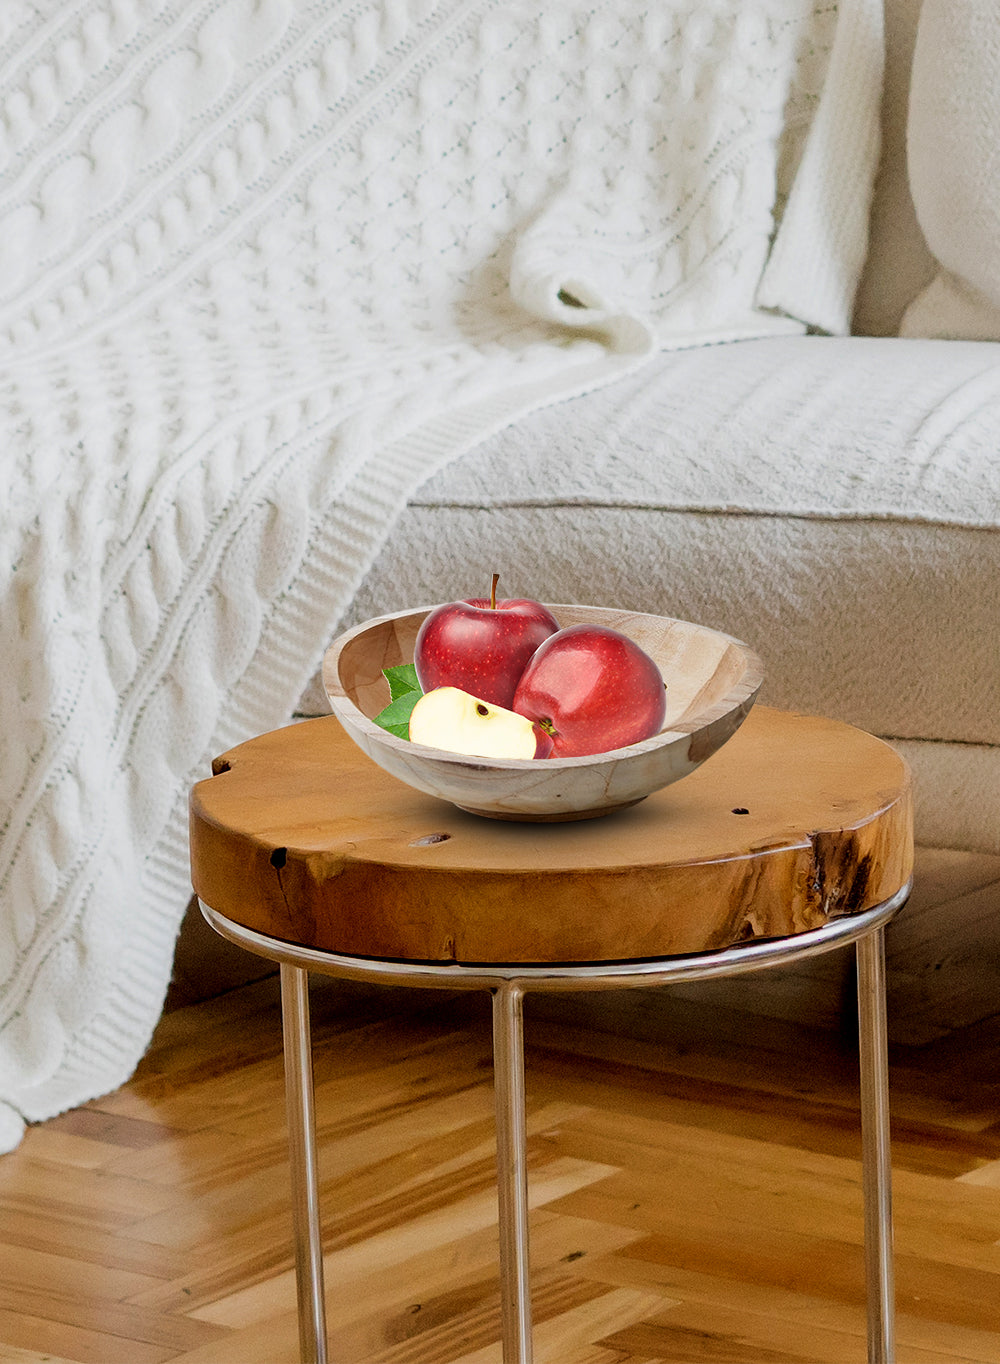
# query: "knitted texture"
[264,267]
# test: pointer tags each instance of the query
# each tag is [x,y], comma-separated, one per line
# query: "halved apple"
[452,719]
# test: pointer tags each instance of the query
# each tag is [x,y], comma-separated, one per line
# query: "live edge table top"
[796,820]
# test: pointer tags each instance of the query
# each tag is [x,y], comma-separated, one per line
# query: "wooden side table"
[792,840]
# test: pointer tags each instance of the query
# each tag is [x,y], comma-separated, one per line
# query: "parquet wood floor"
[695,1194]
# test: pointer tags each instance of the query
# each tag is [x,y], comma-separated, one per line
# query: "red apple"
[593,689]
[481,646]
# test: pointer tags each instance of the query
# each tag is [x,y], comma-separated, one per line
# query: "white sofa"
[294,303]
[834,501]
[867,574]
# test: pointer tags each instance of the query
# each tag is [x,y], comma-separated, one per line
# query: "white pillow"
[953,145]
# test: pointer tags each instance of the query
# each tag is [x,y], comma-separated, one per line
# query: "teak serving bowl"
[712,681]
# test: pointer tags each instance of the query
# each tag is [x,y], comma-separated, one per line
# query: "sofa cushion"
[954,159]
[833,501]
[898,264]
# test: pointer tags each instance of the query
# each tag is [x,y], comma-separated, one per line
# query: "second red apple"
[593,689]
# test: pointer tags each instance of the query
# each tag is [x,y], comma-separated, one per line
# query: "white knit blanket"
[264,267]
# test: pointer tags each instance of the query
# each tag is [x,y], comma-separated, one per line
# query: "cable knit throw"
[265,265]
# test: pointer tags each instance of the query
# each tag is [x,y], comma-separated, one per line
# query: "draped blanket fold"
[265,266]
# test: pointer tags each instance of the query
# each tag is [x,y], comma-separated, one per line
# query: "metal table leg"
[507,983]
[301,1115]
[875,1150]
[512,1172]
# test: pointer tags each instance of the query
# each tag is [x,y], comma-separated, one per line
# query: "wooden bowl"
[712,681]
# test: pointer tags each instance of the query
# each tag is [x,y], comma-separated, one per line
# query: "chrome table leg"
[507,984]
[301,1116]
[512,1172]
[875,1150]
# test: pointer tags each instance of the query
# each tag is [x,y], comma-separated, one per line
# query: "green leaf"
[398,712]
[400,731]
[405,692]
[401,679]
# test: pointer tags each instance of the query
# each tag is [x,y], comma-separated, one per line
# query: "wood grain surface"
[796,820]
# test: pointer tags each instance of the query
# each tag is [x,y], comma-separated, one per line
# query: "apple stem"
[493,592]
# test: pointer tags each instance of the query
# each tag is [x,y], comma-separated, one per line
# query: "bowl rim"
[743,693]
